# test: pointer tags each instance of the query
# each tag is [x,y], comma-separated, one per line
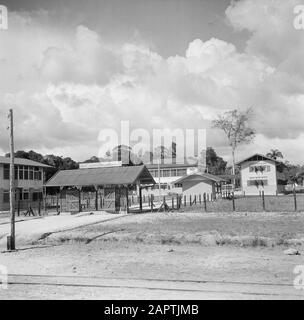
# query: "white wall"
[198,187]
[270,176]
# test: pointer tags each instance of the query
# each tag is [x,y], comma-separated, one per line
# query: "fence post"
[205,203]
[185,201]
[151,202]
[18,208]
[200,198]
[39,207]
[263,200]
[295,198]
[233,203]
[194,199]
[172,203]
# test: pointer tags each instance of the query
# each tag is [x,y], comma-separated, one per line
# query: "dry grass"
[237,229]
[251,204]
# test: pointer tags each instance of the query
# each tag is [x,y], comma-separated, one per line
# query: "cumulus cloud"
[66,86]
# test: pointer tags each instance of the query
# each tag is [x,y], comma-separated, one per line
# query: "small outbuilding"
[200,183]
[99,187]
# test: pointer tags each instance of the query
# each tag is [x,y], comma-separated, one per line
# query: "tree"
[93,159]
[215,164]
[274,154]
[235,124]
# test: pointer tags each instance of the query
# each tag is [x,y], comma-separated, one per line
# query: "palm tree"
[274,154]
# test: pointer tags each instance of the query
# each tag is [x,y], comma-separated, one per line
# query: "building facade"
[259,173]
[29,179]
[169,173]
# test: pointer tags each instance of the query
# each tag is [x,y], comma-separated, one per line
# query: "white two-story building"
[259,173]
[169,173]
[29,178]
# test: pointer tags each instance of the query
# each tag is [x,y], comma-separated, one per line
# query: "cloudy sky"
[71,68]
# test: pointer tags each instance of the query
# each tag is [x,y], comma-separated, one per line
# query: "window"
[37,196]
[25,174]
[261,182]
[6,171]
[181,172]
[173,172]
[166,173]
[6,197]
[31,173]
[39,175]
[21,172]
[16,172]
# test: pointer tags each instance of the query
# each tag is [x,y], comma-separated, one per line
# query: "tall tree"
[235,124]
[274,154]
[214,164]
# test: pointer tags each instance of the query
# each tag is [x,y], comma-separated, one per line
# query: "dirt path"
[129,271]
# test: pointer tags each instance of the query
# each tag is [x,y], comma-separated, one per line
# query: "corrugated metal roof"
[200,177]
[101,176]
[24,162]
[257,156]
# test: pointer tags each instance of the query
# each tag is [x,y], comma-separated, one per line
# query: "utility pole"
[11,238]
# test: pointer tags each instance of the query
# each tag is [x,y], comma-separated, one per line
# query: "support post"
[127,199]
[140,200]
[79,199]
[96,198]
[233,201]
[295,198]
[152,202]
[263,200]
[11,239]
[205,202]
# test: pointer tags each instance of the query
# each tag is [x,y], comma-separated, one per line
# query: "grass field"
[251,204]
[240,229]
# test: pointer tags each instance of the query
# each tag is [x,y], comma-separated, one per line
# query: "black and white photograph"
[151,151]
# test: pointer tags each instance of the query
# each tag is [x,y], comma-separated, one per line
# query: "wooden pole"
[205,202]
[263,200]
[79,200]
[233,202]
[140,200]
[11,239]
[295,198]
[152,202]
[96,198]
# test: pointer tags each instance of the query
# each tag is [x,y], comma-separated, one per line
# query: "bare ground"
[195,255]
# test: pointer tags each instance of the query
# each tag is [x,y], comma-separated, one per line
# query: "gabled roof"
[257,157]
[197,176]
[101,176]
[24,162]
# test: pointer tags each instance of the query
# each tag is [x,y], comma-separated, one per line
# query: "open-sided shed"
[111,186]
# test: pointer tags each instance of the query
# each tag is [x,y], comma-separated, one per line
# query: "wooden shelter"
[96,188]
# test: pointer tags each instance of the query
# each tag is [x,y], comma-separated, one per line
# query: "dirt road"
[129,271]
